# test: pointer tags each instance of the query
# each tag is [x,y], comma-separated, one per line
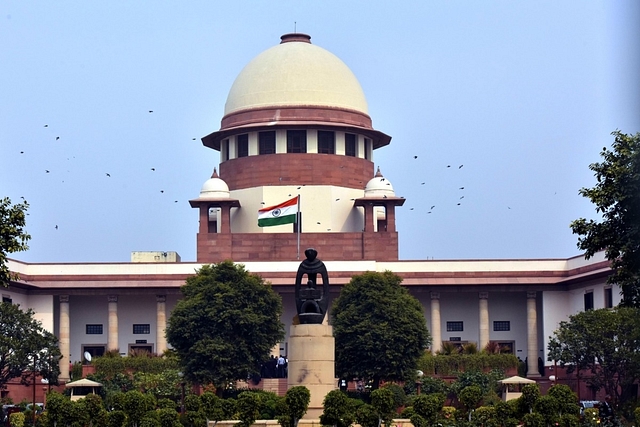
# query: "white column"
[436,330]
[161,324]
[63,337]
[532,336]
[112,335]
[483,303]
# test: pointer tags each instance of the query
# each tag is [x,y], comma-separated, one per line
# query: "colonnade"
[483,325]
[112,330]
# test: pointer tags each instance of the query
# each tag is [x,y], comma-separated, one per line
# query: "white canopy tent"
[82,388]
[511,387]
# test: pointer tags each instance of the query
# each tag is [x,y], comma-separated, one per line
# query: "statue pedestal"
[312,363]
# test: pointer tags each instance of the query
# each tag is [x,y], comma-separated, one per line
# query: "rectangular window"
[296,141]
[93,329]
[506,347]
[326,142]
[243,145]
[588,300]
[608,298]
[225,150]
[93,350]
[7,299]
[142,329]
[501,325]
[367,149]
[267,142]
[457,326]
[350,145]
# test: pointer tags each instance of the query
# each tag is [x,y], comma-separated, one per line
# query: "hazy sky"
[523,94]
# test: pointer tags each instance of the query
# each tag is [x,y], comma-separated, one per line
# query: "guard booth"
[512,387]
[82,388]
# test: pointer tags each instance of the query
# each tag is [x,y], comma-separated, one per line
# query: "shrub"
[339,410]
[17,419]
[533,420]
[117,418]
[485,416]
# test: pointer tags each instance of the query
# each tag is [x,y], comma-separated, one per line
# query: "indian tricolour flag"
[284,213]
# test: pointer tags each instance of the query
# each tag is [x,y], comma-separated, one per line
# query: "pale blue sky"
[523,94]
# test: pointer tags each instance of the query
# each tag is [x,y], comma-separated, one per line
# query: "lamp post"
[419,380]
[182,385]
[33,408]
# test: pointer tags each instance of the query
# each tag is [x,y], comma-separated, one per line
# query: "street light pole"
[182,385]
[33,408]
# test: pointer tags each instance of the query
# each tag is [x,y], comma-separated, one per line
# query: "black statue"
[312,302]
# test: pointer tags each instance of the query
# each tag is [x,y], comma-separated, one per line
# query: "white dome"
[292,73]
[214,188]
[379,186]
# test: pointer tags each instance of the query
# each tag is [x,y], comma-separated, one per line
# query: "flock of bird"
[106,174]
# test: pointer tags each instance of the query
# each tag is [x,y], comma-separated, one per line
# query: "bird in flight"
[422,183]
[153,169]
[448,166]
[57,138]
[433,206]
[162,191]
[415,157]
[56,227]
[46,171]
[46,126]
[461,188]
[460,167]
[151,111]
[458,204]
[108,174]
[411,209]
[22,152]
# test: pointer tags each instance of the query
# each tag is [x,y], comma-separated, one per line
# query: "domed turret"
[379,186]
[214,188]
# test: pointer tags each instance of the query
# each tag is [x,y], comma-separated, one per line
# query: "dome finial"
[378,173]
[295,37]
[215,173]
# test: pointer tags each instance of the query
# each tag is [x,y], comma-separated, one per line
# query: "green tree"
[566,398]
[13,238]
[380,329]
[24,346]
[470,397]
[530,395]
[605,342]
[226,324]
[339,410]
[296,402]
[426,408]
[248,406]
[617,198]
[383,402]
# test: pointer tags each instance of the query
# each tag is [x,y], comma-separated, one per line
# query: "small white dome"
[379,186]
[214,188]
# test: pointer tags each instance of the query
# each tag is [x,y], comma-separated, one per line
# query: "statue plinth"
[312,363]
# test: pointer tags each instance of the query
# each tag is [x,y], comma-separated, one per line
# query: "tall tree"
[226,324]
[380,329]
[13,238]
[617,198]
[605,342]
[26,346]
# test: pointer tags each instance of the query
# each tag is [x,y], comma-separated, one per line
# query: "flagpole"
[298,225]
